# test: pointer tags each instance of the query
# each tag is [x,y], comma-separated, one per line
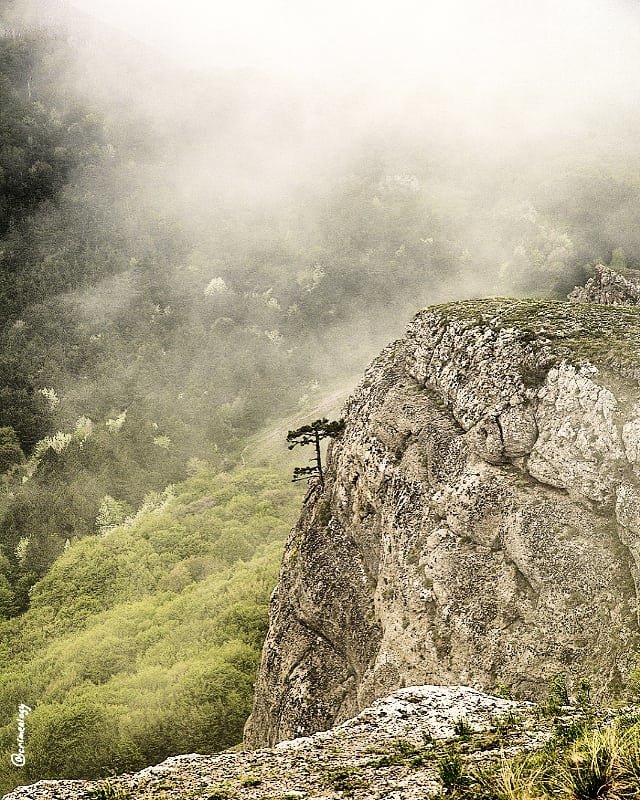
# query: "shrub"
[592,766]
[517,779]
[462,728]
[451,769]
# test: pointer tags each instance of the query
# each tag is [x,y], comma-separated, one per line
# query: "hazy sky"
[581,45]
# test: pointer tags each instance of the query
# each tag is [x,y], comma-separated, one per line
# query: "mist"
[402,153]
[258,103]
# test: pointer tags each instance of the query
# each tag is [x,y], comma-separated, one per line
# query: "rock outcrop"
[480,521]
[390,750]
[609,286]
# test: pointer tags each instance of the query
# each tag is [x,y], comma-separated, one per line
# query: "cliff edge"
[480,521]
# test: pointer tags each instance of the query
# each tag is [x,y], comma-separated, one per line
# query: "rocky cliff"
[480,521]
[612,287]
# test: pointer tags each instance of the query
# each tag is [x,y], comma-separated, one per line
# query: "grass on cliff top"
[607,336]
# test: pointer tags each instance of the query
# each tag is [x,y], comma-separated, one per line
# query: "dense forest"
[147,334]
[144,643]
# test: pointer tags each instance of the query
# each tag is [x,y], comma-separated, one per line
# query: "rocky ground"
[397,749]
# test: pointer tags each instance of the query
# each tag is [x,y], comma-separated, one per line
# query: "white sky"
[579,44]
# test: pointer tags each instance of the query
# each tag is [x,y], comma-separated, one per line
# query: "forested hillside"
[181,264]
[144,641]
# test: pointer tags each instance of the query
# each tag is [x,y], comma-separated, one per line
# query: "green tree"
[111,513]
[313,434]
[10,450]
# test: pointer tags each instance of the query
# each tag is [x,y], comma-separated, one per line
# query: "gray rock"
[480,522]
[609,286]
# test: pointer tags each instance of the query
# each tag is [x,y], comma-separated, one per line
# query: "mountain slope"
[144,642]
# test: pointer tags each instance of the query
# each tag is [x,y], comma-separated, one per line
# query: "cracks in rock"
[440,336]
[501,433]
[523,583]
[341,652]
[628,561]
[547,487]
[353,675]
[311,493]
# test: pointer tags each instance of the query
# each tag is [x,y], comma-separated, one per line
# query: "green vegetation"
[557,696]
[107,791]
[608,336]
[402,752]
[462,728]
[604,762]
[345,780]
[144,642]
[451,770]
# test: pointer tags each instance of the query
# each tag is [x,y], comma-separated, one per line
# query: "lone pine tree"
[313,434]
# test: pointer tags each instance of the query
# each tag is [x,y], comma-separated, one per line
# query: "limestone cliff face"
[480,522]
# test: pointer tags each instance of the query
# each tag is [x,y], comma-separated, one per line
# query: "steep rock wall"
[480,522]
